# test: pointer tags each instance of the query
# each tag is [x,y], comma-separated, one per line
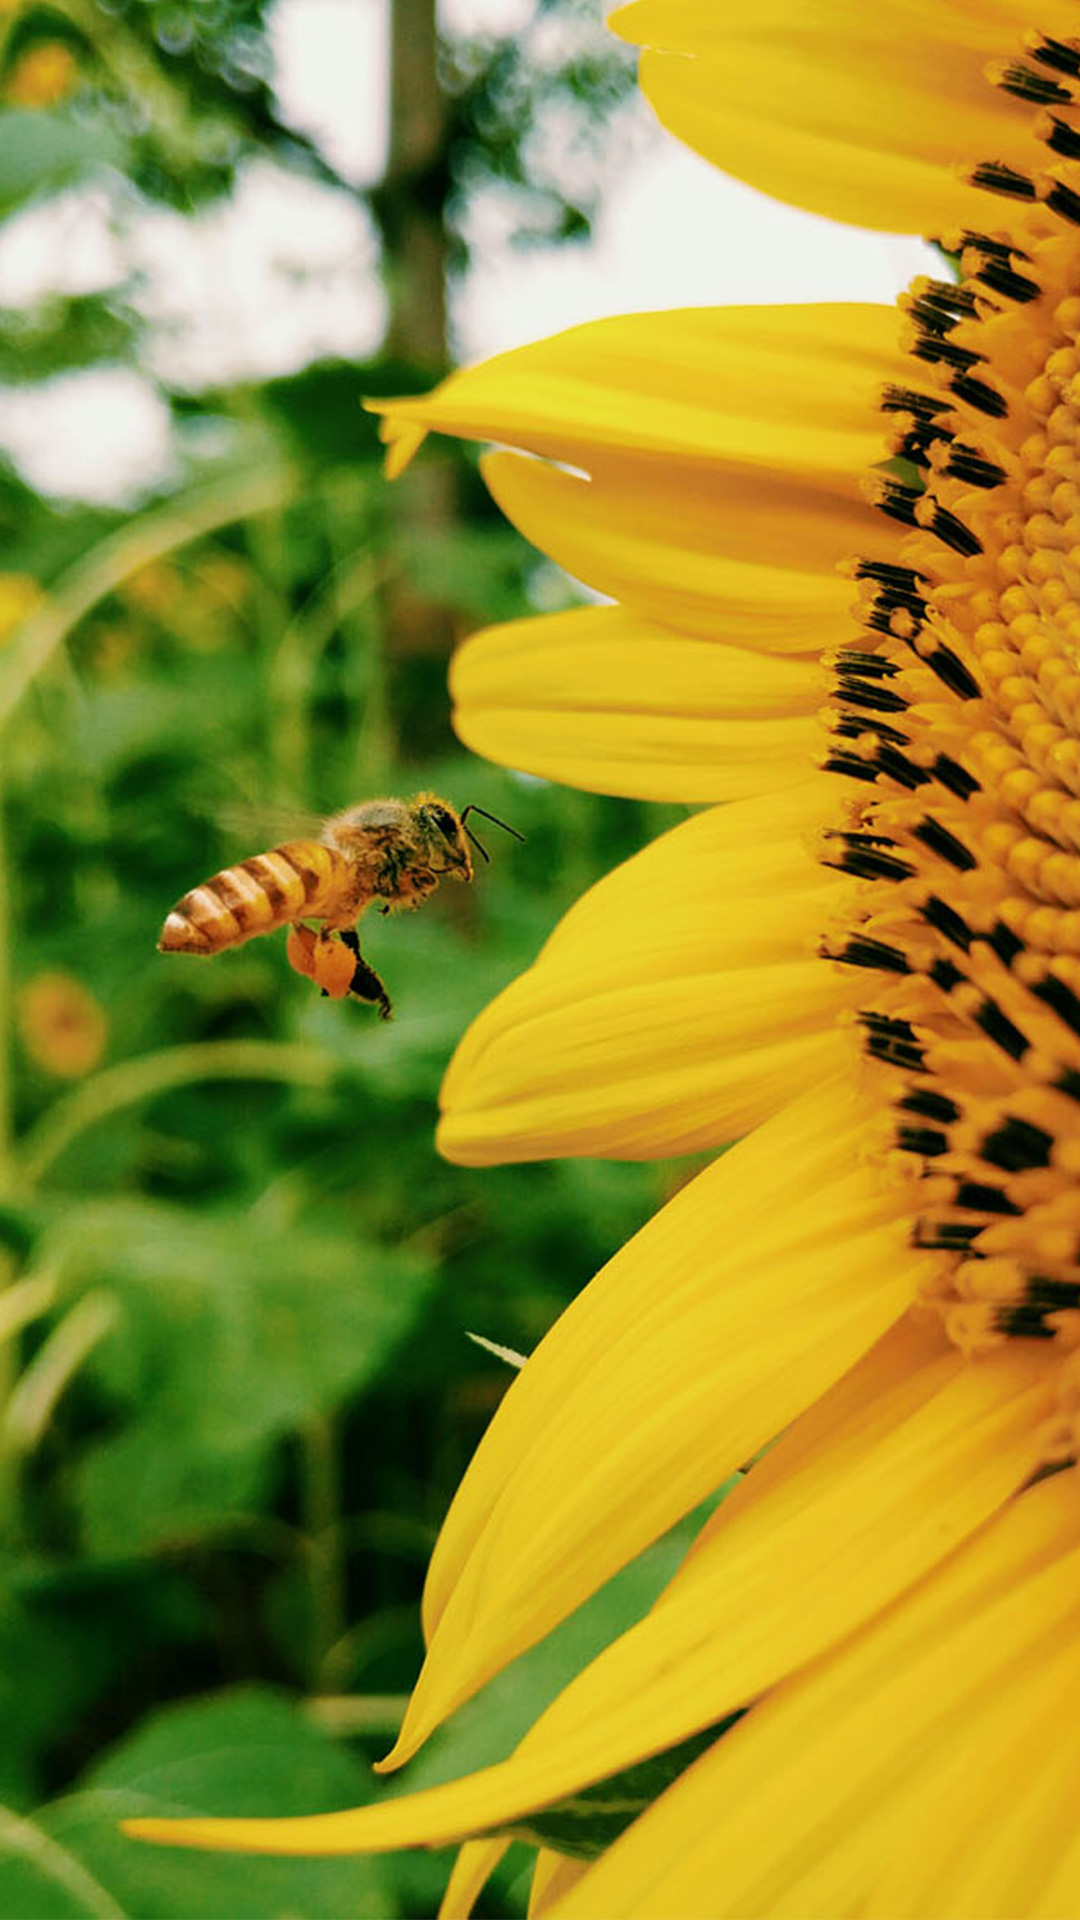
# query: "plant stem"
[109,563]
[153,1073]
[345,1716]
[322,1525]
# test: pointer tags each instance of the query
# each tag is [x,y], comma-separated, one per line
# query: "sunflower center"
[956,725]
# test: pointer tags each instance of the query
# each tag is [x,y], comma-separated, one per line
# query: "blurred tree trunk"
[415,189]
[411,203]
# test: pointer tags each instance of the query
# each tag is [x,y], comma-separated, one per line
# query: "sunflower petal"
[754,565]
[603,699]
[705,1335]
[994,1841]
[761,421]
[751,851]
[594,1051]
[758,389]
[871,112]
[951,1672]
[923,1484]
[473,1868]
[553,1876]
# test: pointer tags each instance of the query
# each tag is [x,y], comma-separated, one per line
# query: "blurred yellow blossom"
[154,589]
[44,75]
[19,594]
[226,578]
[62,1026]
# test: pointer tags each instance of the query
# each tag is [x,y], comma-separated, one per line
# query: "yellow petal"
[994,1840]
[730,1311]
[582,1064]
[602,699]
[471,1871]
[751,850]
[758,389]
[587,1329]
[593,1051]
[797,1809]
[760,420]
[865,1494]
[862,114]
[553,1876]
[753,565]
[849,1541]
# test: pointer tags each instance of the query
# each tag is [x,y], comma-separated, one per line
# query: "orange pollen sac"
[955,726]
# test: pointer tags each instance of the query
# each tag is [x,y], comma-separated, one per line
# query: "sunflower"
[843,561]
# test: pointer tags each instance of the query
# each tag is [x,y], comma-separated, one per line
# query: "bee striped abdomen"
[292,882]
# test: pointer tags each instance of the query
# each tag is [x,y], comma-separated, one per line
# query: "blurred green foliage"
[236,1392]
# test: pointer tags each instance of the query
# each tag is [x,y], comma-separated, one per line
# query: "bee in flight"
[392,853]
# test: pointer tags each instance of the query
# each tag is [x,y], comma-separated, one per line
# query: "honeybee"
[390,853]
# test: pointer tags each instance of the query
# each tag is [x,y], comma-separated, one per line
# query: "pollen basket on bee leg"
[333,966]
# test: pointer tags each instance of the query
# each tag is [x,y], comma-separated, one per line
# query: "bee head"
[445,836]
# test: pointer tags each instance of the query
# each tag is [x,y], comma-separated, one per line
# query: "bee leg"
[300,950]
[416,887]
[365,983]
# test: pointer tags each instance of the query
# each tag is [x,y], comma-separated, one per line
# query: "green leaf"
[65,331]
[231,1337]
[65,1639]
[243,1752]
[593,1819]
[40,153]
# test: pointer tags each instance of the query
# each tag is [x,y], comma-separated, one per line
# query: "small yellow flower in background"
[62,1026]
[224,577]
[19,594]
[866,962]
[154,589]
[113,650]
[43,76]
[198,607]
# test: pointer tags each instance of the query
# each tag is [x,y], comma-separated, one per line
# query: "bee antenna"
[480,848]
[495,821]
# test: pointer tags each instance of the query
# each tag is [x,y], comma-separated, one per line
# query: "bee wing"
[253,823]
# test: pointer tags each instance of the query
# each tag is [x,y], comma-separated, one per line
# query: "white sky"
[287,271]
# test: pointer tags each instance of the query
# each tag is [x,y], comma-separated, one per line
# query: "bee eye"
[445,822]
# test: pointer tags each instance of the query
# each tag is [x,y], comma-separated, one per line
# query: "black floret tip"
[1058,55]
[951,671]
[1024,1323]
[938,913]
[1005,280]
[1017,1145]
[1063,140]
[976,393]
[952,775]
[930,1105]
[928,1142]
[940,841]
[979,1197]
[967,464]
[998,178]
[1000,1029]
[1037,88]
[1061,999]
[861,951]
[1062,200]
[953,532]
[1005,943]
